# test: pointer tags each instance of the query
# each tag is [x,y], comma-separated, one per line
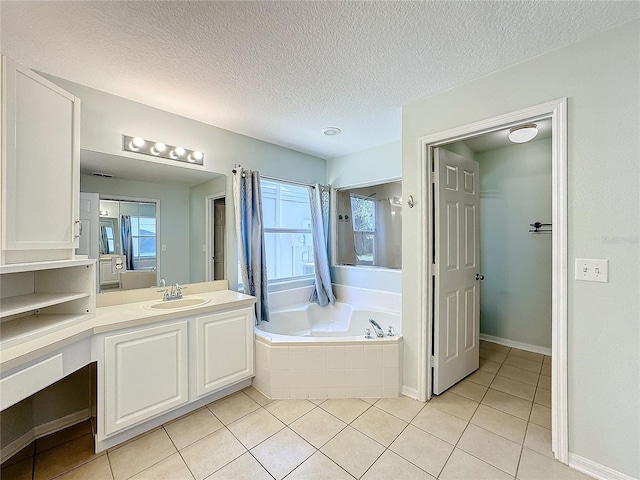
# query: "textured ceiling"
[281,71]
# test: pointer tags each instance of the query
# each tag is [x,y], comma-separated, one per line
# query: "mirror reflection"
[368,225]
[173,219]
[127,242]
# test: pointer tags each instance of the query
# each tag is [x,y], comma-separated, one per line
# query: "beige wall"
[600,78]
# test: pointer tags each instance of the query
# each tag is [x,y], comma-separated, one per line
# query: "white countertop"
[116,317]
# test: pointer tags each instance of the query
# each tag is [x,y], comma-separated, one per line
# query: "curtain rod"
[266,177]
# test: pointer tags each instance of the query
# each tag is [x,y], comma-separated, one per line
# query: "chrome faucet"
[376,328]
[174,292]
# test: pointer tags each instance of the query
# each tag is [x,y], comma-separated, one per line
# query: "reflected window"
[364,229]
[367,226]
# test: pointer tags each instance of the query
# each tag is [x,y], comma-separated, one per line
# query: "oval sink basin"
[189,302]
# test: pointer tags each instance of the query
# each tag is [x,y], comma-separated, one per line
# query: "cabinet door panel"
[224,349]
[41,158]
[145,374]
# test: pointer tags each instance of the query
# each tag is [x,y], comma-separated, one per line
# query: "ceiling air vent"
[100,174]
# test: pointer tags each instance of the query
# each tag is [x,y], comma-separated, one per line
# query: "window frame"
[278,230]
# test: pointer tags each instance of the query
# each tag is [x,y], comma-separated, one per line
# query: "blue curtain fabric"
[127,240]
[247,203]
[319,203]
[104,240]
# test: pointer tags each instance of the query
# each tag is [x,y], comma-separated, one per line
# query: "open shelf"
[23,329]
[33,301]
[42,297]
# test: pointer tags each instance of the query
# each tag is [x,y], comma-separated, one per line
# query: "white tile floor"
[495,424]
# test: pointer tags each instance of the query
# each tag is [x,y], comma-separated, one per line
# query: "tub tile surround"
[387,438]
[363,369]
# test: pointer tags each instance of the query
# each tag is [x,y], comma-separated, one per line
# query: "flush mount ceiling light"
[162,150]
[330,131]
[523,133]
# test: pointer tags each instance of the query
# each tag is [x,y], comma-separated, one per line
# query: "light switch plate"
[592,270]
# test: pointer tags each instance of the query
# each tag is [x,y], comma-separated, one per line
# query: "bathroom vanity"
[155,360]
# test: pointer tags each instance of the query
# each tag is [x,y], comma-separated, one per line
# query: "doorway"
[215,237]
[556,112]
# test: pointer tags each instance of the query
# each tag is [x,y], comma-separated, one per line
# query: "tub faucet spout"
[376,328]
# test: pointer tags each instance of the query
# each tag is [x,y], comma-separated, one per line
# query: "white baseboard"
[513,344]
[41,430]
[409,392]
[596,470]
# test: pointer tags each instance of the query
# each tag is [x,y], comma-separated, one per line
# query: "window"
[364,229]
[287,228]
[143,232]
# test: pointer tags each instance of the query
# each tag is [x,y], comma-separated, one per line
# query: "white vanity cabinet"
[224,349]
[151,373]
[145,373]
[40,174]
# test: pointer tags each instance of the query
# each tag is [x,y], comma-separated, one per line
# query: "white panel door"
[224,349]
[457,292]
[90,229]
[146,374]
[41,162]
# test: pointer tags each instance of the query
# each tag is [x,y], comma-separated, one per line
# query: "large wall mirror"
[172,217]
[127,241]
[368,226]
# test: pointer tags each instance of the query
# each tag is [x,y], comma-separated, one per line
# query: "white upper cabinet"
[40,178]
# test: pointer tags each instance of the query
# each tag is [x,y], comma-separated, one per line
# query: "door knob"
[479,277]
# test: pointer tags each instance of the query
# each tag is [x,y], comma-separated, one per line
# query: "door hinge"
[433,269]
[433,177]
[432,361]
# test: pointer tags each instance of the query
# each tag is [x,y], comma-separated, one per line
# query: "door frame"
[209,222]
[557,111]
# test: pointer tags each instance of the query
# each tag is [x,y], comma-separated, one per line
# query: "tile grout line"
[178,450]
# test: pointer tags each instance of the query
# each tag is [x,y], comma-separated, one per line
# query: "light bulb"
[133,147]
[179,151]
[161,147]
[197,155]
[138,142]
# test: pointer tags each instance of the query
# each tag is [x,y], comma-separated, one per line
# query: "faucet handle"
[390,332]
[367,333]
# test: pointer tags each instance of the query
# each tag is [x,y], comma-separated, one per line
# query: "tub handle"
[367,333]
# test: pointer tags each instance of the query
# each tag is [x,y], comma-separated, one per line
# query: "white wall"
[600,78]
[376,165]
[515,190]
[105,118]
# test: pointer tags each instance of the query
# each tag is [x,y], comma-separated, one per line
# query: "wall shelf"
[32,301]
[27,328]
[42,297]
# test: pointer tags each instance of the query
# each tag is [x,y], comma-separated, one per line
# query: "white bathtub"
[308,351]
[337,323]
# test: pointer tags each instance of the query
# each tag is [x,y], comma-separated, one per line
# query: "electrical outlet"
[592,270]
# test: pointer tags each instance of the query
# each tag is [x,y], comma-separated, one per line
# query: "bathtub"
[308,351]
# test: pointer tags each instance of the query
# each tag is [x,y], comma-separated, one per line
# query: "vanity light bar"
[162,150]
